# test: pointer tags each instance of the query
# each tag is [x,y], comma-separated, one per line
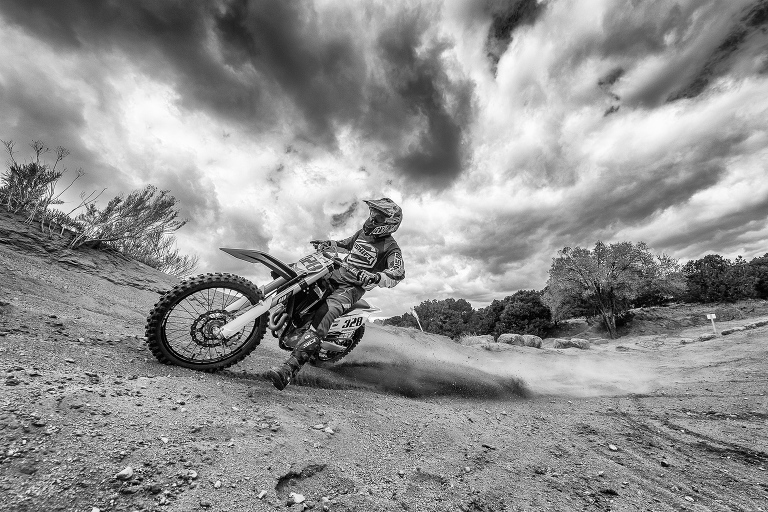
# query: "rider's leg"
[336,304]
[339,301]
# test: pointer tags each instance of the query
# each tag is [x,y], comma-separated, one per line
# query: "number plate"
[347,323]
[312,263]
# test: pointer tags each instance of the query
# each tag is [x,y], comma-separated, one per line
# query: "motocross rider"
[380,262]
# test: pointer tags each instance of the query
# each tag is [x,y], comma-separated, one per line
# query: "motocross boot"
[283,375]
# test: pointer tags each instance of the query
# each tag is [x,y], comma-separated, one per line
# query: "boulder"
[708,336]
[571,343]
[475,340]
[511,339]
[531,340]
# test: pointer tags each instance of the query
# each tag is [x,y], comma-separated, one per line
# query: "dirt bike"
[212,321]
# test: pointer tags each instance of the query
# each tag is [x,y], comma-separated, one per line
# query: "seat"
[361,304]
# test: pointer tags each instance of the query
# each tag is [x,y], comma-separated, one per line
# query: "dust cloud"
[415,364]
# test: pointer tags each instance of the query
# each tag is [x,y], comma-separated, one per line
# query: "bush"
[30,188]
[404,320]
[140,226]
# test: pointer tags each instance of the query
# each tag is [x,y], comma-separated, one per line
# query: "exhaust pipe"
[277,320]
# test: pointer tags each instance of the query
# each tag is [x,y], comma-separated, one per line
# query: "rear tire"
[180,327]
[325,358]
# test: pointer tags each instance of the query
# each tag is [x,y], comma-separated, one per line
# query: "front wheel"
[327,357]
[181,329]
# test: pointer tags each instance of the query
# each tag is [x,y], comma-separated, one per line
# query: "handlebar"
[337,261]
[340,263]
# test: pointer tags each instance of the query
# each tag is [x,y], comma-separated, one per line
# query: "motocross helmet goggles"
[384,219]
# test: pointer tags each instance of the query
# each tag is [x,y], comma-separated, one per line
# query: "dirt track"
[655,425]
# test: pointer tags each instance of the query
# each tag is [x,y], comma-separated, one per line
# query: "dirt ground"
[652,421]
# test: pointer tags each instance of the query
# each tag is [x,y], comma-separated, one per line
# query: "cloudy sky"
[506,130]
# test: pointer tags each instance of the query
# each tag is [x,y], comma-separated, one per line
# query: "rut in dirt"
[412,381]
[420,368]
[414,368]
[440,381]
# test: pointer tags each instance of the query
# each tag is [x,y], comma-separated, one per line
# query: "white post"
[413,312]
[712,317]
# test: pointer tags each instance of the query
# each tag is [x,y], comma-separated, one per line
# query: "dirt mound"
[22,240]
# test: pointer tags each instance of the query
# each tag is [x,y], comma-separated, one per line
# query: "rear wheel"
[328,357]
[182,327]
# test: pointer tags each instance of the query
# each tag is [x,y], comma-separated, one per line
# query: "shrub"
[140,225]
[404,320]
[30,188]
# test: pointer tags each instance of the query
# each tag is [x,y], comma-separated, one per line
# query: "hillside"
[655,420]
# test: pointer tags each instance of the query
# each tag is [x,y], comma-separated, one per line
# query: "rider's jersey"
[375,254]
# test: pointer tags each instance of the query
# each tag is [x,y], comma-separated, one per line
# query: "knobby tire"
[356,337]
[156,329]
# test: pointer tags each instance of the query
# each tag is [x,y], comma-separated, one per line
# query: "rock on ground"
[475,340]
[512,339]
[532,340]
[571,343]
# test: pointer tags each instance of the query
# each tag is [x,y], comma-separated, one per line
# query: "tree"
[660,284]
[449,317]
[565,301]
[524,313]
[717,279]
[484,319]
[759,271]
[742,279]
[610,277]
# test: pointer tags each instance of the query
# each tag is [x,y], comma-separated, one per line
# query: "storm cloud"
[267,63]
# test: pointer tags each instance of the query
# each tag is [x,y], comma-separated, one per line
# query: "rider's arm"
[395,271]
[347,243]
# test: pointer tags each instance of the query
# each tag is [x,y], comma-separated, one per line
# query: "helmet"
[384,219]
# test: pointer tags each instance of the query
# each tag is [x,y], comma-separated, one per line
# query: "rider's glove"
[322,245]
[368,278]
